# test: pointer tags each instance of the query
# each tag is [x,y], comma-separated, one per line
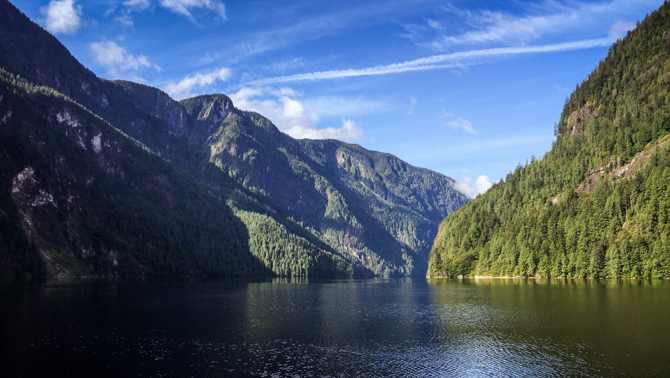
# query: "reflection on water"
[573,327]
[287,327]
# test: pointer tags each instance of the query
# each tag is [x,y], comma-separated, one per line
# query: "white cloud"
[292,116]
[462,124]
[117,60]
[278,105]
[458,59]
[349,131]
[483,184]
[183,7]
[620,29]
[470,189]
[62,16]
[184,87]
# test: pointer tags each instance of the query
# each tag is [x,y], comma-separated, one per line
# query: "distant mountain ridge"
[106,177]
[596,205]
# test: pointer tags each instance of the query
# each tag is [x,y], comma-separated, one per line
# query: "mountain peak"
[212,107]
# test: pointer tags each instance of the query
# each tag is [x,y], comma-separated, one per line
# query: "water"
[336,328]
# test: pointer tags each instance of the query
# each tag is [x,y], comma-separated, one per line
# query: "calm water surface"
[484,327]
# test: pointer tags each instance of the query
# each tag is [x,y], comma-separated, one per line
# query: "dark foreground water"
[338,328]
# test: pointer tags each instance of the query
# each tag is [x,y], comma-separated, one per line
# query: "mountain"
[102,177]
[596,205]
[79,197]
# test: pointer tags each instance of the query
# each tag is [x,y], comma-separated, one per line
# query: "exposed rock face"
[591,178]
[625,171]
[580,116]
[217,111]
[39,204]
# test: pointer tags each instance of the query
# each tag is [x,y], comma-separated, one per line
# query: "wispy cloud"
[459,124]
[291,28]
[540,19]
[491,26]
[136,5]
[412,105]
[62,16]
[118,61]
[125,19]
[462,124]
[184,7]
[184,87]
[620,29]
[123,12]
[458,59]
[296,117]
[470,189]
[181,7]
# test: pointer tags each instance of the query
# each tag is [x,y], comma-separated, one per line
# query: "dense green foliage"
[288,254]
[597,204]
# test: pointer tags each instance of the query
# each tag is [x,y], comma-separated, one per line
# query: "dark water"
[337,328]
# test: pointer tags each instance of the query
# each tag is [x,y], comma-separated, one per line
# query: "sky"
[469,89]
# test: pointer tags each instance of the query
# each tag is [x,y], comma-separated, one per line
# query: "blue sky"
[469,89]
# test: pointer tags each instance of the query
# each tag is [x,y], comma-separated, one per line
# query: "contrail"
[435,61]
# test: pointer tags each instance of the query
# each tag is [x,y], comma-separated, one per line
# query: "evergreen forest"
[597,204]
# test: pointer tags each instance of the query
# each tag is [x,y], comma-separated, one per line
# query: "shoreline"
[461,277]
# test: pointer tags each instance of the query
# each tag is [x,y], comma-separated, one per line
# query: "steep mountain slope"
[386,225]
[597,204]
[93,201]
[194,169]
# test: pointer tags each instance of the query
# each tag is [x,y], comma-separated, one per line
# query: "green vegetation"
[364,205]
[289,255]
[596,205]
[106,177]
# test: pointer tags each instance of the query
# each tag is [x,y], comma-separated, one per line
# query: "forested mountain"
[597,204]
[103,177]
